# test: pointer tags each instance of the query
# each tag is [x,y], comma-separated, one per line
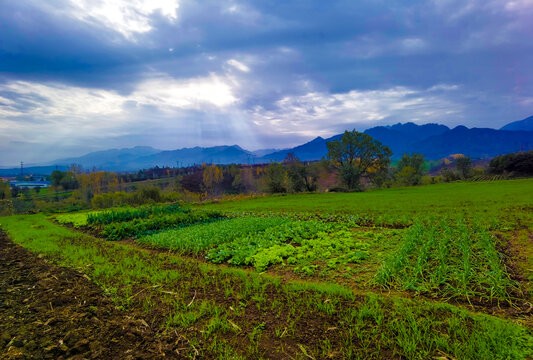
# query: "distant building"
[30,184]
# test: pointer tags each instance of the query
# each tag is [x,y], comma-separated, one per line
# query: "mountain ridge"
[521,125]
[433,140]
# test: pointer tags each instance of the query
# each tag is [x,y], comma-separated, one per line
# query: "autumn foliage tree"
[5,190]
[212,176]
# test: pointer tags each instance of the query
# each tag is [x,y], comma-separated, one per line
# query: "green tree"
[302,176]
[65,179]
[410,169]
[357,155]
[464,166]
[56,176]
[277,179]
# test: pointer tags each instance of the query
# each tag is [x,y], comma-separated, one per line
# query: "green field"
[441,271]
[411,202]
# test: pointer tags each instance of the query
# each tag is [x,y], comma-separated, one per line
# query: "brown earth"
[52,312]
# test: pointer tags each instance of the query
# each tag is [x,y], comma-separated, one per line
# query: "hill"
[521,125]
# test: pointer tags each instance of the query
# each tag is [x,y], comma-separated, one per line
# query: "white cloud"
[319,113]
[238,65]
[166,93]
[61,100]
[5,101]
[519,5]
[58,100]
[160,107]
[128,17]
[69,115]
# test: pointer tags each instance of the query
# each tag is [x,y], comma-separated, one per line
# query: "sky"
[84,75]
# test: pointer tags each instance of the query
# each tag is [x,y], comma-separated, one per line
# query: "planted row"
[111,216]
[198,238]
[139,227]
[263,317]
[450,258]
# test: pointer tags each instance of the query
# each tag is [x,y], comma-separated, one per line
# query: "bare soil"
[52,312]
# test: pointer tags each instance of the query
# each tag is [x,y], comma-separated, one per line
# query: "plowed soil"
[52,312]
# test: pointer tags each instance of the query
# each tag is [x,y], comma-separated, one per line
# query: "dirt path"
[51,312]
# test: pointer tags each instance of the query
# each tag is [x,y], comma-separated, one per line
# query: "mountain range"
[433,140]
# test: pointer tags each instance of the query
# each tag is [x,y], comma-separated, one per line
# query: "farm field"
[431,272]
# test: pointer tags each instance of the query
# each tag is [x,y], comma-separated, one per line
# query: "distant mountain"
[262,152]
[196,155]
[31,170]
[312,150]
[476,143]
[521,125]
[433,140]
[109,159]
[139,157]
[401,137]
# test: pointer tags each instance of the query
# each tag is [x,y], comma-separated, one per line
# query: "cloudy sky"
[84,75]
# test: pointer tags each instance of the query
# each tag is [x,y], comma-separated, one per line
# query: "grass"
[449,250]
[210,305]
[486,198]
[466,241]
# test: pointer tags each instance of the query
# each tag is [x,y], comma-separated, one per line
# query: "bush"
[67,205]
[426,180]
[108,200]
[142,196]
[6,208]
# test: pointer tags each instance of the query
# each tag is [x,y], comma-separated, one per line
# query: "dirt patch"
[52,312]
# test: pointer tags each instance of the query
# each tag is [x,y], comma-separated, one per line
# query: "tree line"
[355,162]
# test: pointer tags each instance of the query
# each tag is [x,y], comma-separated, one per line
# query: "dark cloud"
[261,74]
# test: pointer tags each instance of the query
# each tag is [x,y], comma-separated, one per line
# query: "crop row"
[198,238]
[111,216]
[227,313]
[351,220]
[451,258]
[139,227]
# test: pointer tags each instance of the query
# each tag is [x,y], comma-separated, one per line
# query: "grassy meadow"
[431,272]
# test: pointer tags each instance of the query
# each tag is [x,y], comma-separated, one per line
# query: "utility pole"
[21,169]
